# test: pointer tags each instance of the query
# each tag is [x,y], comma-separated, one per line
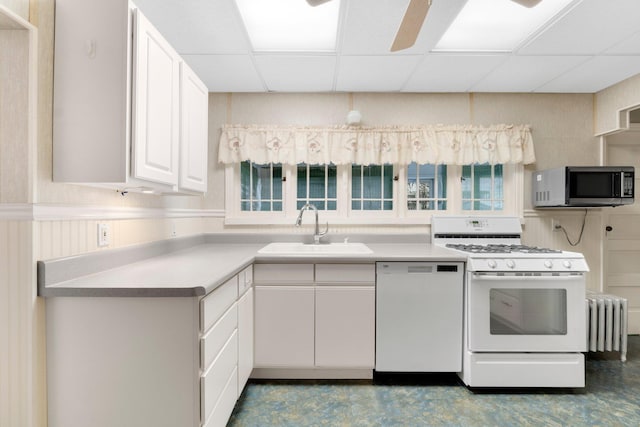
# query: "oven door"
[518,313]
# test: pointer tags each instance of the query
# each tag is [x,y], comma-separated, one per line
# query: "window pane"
[302,182]
[442,180]
[370,185]
[483,187]
[315,183]
[277,183]
[482,181]
[331,206]
[245,182]
[372,182]
[498,190]
[260,186]
[388,181]
[277,206]
[426,183]
[332,182]
[442,206]
[466,182]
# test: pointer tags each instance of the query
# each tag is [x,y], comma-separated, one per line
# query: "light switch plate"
[104,235]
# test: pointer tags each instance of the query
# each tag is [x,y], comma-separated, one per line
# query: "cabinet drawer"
[246,280]
[217,302]
[283,273]
[214,380]
[215,339]
[346,273]
[227,401]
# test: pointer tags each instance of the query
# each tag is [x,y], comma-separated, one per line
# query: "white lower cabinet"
[345,326]
[245,338]
[159,361]
[284,326]
[317,317]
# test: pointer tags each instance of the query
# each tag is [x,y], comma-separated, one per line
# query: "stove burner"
[500,249]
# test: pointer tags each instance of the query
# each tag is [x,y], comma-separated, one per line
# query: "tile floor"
[611,398]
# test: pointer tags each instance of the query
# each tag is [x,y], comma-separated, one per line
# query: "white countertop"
[198,270]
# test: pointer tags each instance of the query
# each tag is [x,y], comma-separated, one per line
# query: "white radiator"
[606,323]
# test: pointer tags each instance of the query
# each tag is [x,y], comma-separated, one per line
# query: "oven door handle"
[545,276]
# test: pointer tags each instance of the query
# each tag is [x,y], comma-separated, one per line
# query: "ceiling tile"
[226,73]
[526,73]
[297,73]
[588,29]
[629,46]
[451,73]
[594,75]
[374,73]
[198,26]
[370,27]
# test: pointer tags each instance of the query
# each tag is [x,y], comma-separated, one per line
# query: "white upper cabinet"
[120,114]
[156,83]
[194,125]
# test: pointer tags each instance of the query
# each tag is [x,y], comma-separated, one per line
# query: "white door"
[345,326]
[194,118]
[622,232]
[509,313]
[155,105]
[284,326]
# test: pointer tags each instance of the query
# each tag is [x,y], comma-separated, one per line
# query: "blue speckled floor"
[611,398]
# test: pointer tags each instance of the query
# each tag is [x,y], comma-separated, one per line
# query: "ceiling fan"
[413,19]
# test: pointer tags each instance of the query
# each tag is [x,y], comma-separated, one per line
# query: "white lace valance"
[437,144]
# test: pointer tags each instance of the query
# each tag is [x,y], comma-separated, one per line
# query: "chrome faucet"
[316,234]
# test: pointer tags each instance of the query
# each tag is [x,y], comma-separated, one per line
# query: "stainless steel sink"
[290,248]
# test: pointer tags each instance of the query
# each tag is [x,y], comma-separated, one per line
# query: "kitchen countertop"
[193,267]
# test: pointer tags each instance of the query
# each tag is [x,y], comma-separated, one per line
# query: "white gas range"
[524,313]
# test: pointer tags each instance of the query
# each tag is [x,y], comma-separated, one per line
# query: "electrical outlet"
[104,234]
[555,224]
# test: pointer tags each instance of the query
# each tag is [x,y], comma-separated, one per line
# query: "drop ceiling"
[595,44]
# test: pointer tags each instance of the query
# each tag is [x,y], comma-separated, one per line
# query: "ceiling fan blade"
[527,3]
[411,23]
[316,2]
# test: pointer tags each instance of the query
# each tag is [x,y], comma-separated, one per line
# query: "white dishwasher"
[419,316]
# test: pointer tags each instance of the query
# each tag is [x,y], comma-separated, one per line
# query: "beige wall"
[609,101]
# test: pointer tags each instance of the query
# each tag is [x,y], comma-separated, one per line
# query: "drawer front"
[246,279]
[224,407]
[283,273]
[214,380]
[217,302]
[213,341]
[346,273]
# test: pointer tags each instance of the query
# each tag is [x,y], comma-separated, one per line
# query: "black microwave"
[583,186]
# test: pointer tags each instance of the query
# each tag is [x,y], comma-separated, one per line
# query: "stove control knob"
[511,264]
[492,264]
[566,263]
[548,263]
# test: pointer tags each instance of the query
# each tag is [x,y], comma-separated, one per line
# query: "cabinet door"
[345,327]
[194,107]
[284,326]
[245,336]
[155,120]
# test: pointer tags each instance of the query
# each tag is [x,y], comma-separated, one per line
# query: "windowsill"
[368,220]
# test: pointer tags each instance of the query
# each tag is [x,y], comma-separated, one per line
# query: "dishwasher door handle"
[418,269]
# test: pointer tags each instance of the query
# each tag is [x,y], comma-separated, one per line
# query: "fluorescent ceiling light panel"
[496,25]
[290,25]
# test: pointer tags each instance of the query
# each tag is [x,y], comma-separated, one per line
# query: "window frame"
[513,185]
